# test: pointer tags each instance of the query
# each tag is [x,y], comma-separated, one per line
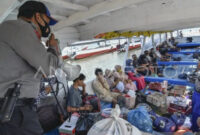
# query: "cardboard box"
[178,91]
[68,127]
[157,99]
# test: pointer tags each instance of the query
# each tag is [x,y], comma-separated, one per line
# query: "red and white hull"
[97,51]
[93,52]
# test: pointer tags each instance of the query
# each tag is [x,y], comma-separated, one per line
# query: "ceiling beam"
[96,10]
[151,16]
[7,6]
[58,17]
[67,5]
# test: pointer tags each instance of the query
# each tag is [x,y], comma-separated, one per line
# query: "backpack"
[49,115]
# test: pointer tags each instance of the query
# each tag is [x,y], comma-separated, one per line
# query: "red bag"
[185,112]
[94,101]
[155,86]
[141,84]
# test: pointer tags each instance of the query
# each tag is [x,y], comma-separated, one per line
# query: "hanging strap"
[68,115]
[63,112]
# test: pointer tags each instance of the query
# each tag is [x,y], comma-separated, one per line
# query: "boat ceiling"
[84,19]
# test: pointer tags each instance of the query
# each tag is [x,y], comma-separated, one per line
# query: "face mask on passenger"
[45,30]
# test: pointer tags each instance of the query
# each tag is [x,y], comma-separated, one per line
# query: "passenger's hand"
[83,85]
[62,118]
[101,79]
[48,89]
[88,108]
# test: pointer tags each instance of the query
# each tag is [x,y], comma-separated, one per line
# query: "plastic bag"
[131,93]
[83,124]
[114,126]
[140,118]
[187,124]
[106,113]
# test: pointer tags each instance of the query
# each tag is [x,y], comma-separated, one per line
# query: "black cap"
[29,8]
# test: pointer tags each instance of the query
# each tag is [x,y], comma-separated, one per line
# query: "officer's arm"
[27,45]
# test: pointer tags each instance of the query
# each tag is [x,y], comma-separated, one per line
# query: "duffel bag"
[49,117]
[163,124]
[178,119]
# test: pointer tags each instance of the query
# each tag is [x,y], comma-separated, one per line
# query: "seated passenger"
[143,60]
[158,55]
[121,75]
[129,85]
[102,89]
[153,57]
[146,53]
[143,67]
[75,102]
[165,56]
[109,78]
[119,85]
[135,60]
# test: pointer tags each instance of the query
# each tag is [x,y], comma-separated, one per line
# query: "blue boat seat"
[170,81]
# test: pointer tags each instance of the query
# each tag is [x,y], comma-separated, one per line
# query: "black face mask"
[44,28]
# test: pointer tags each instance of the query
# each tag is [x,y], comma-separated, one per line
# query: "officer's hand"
[48,89]
[52,41]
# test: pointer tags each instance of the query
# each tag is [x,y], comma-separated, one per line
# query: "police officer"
[21,55]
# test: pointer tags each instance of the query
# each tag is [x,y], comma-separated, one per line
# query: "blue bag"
[183,76]
[140,118]
[153,115]
[105,105]
[163,124]
[129,62]
[178,119]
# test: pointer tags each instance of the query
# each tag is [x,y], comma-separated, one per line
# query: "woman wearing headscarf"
[120,74]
